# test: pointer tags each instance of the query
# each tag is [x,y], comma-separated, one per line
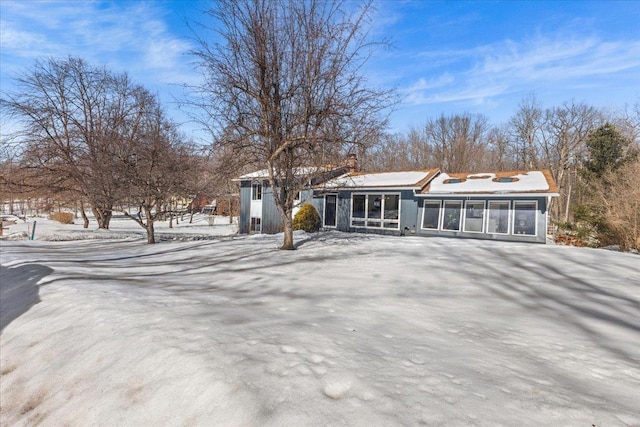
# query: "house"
[511,206]
[258,212]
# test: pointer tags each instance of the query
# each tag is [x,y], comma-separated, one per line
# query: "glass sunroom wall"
[374,210]
[498,217]
[391,210]
[524,218]
[431,215]
[474,216]
[451,216]
[358,210]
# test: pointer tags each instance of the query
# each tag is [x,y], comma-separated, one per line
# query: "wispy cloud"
[130,37]
[508,66]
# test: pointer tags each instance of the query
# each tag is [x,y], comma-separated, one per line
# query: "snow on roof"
[300,171]
[383,179]
[492,182]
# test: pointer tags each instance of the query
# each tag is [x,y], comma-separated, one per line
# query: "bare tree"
[618,195]
[526,132]
[500,156]
[73,115]
[285,83]
[458,141]
[154,165]
[564,148]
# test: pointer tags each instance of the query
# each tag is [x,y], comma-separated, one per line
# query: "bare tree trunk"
[103,216]
[85,219]
[288,233]
[151,238]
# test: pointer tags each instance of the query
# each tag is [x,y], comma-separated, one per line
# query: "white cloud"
[508,67]
[126,36]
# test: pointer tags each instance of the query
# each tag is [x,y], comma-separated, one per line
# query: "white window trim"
[508,202]
[444,203]
[382,220]
[535,218]
[464,215]
[250,225]
[253,193]
[439,202]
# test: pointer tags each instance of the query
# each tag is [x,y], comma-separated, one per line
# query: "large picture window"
[451,215]
[474,216]
[358,210]
[431,215]
[375,210]
[498,218]
[524,218]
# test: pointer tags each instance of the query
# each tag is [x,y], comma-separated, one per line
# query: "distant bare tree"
[154,166]
[285,83]
[618,196]
[565,131]
[458,141]
[526,128]
[500,157]
[73,115]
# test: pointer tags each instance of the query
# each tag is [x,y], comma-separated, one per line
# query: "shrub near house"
[307,219]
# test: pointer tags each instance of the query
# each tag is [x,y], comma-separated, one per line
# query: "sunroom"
[505,206]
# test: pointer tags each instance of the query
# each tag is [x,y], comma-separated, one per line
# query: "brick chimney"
[352,163]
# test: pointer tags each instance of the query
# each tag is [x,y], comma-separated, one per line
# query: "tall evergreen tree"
[607,150]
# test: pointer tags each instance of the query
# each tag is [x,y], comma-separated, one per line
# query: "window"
[375,210]
[524,218]
[256,191]
[256,226]
[451,215]
[474,216]
[391,210]
[358,210]
[431,215]
[498,218]
[453,181]
[506,179]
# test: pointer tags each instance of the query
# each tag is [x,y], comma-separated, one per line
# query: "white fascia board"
[380,189]
[505,194]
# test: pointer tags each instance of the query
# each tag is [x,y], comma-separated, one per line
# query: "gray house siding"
[245,207]
[407,219]
[271,219]
[316,200]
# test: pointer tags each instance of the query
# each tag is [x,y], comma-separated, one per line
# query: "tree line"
[93,136]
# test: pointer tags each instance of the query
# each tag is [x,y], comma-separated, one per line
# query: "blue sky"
[447,56]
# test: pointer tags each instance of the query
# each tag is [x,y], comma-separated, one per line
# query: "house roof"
[299,172]
[492,183]
[406,179]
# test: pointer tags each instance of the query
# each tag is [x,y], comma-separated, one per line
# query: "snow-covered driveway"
[354,330]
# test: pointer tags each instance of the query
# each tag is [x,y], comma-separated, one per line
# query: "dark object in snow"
[19,290]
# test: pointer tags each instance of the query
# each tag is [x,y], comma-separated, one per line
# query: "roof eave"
[495,194]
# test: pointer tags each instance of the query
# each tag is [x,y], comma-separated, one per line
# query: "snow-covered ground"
[356,330]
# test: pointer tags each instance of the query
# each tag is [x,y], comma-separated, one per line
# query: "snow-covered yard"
[355,330]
